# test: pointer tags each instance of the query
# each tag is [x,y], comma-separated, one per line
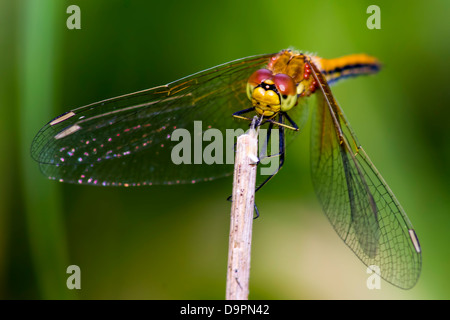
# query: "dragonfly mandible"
[126,141]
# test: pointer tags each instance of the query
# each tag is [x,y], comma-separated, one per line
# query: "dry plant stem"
[242,217]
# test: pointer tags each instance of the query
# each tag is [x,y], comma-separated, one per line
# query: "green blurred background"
[171,242]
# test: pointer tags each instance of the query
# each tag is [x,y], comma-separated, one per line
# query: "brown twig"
[242,209]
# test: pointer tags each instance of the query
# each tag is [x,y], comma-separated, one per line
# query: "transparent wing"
[127,140]
[357,201]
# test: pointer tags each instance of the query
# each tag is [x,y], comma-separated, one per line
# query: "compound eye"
[259,76]
[285,84]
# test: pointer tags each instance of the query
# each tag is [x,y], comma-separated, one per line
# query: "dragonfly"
[127,141]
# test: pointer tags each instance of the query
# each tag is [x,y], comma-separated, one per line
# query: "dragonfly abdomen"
[348,66]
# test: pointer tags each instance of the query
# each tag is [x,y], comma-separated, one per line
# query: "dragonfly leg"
[241,112]
[282,149]
[293,125]
[256,212]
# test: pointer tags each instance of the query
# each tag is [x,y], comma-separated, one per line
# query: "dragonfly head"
[271,93]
